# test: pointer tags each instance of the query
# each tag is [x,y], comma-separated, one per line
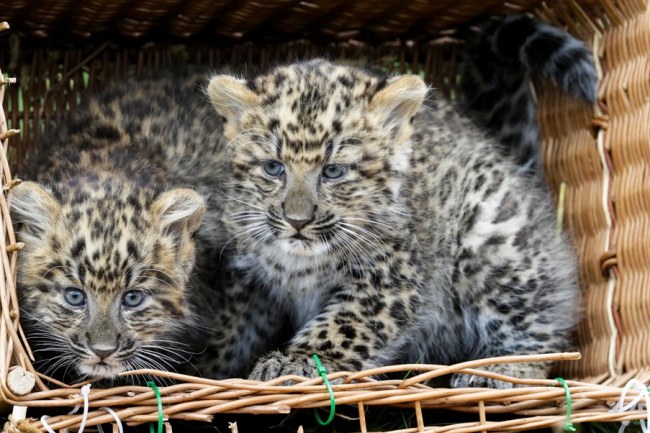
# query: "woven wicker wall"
[226,21]
[60,50]
[604,158]
[52,81]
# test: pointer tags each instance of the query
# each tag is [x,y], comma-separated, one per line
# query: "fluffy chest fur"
[295,282]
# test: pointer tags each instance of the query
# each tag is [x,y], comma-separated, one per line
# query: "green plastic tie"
[160,410]
[323,373]
[568,426]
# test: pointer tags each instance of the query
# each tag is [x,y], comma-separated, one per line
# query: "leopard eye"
[74,296]
[133,298]
[273,168]
[335,171]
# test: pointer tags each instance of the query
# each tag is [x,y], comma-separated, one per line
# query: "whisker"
[374,222]
[244,202]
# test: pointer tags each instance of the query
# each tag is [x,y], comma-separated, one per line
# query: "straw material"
[601,155]
[604,159]
[245,20]
[53,82]
[538,403]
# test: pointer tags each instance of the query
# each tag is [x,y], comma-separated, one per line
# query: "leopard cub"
[388,231]
[120,267]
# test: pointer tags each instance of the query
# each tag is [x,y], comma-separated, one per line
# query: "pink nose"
[103,352]
[297,224]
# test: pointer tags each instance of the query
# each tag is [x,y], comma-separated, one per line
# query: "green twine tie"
[323,373]
[568,426]
[160,409]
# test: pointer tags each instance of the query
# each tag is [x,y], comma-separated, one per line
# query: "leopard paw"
[276,364]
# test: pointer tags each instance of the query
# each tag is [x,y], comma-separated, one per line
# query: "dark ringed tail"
[499,62]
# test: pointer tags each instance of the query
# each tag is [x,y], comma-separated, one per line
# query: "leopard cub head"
[102,277]
[319,153]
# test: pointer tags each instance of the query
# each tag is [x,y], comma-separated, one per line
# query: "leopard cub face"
[319,153]
[102,277]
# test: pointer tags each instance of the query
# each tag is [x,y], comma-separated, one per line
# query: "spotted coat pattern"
[120,269]
[387,232]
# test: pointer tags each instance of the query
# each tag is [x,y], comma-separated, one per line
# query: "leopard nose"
[297,224]
[103,351]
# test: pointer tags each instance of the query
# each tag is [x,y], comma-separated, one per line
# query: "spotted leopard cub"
[118,224]
[388,231]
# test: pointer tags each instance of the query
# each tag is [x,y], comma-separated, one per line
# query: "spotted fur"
[390,232]
[116,216]
[500,61]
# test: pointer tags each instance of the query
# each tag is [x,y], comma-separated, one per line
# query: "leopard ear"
[396,104]
[180,211]
[33,208]
[231,97]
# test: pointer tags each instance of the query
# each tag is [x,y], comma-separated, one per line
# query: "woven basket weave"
[601,157]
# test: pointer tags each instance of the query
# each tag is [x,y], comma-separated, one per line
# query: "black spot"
[381,84]
[495,240]
[43,288]
[517,319]
[398,312]
[133,201]
[469,217]
[493,325]
[269,100]
[81,272]
[128,276]
[348,331]
[170,307]
[133,250]
[280,79]
[325,346]
[345,81]
[337,126]
[375,279]
[522,238]
[361,350]
[273,124]
[356,365]
[75,216]
[507,209]
[107,132]
[471,268]
[78,248]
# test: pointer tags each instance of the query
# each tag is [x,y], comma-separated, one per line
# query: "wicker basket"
[599,158]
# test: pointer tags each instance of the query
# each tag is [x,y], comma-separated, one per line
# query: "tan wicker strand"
[597,398]
[246,387]
[362,418]
[628,96]
[578,164]
[5,278]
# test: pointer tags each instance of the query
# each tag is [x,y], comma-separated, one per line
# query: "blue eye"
[133,298]
[74,296]
[273,168]
[335,171]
